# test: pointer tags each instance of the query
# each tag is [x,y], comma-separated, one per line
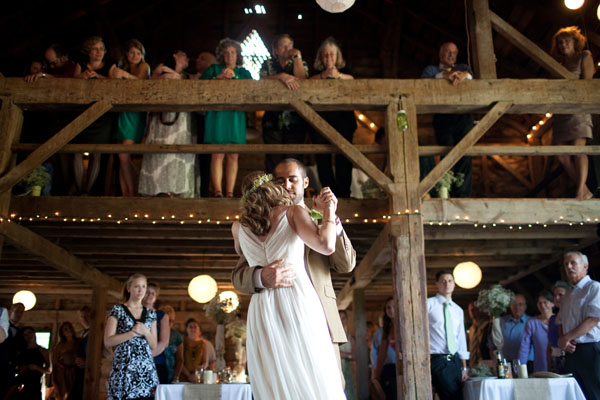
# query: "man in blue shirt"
[451,128]
[513,326]
[579,325]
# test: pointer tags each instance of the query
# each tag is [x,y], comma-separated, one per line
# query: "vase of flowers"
[236,331]
[37,179]
[215,310]
[494,301]
[445,183]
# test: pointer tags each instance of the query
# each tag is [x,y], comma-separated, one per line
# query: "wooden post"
[93,361]
[360,350]
[484,60]
[11,122]
[408,257]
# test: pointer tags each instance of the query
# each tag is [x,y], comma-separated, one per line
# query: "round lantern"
[231,299]
[26,297]
[467,274]
[573,4]
[335,6]
[202,288]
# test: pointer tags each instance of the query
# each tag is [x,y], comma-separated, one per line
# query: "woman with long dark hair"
[384,372]
[65,353]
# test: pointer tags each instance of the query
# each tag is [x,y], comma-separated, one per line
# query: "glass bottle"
[500,366]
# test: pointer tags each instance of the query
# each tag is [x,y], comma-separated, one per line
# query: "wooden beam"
[536,96]
[460,149]
[46,150]
[361,352]
[58,257]
[528,47]
[513,172]
[317,122]
[95,345]
[484,60]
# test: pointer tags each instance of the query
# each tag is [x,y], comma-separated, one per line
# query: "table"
[229,391]
[517,389]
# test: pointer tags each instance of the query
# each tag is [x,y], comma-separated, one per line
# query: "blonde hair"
[259,203]
[339,60]
[130,280]
[574,33]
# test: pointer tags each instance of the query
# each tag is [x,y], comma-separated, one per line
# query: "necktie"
[450,340]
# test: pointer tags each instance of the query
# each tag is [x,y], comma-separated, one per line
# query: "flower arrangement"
[481,370]
[215,310]
[495,300]
[446,182]
[258,182]
[236,329]
[37,177]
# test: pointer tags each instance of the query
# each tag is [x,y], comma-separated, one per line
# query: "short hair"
[442,272]
[223,45]
[339,60]
[133,277]
[155,285]
[89,42]
[15,305]
[547,295]
[583,257]
[574,33]
[560,284]
[298,163]
[278,38]
[58,50]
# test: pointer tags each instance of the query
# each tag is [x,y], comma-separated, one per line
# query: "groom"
[291,173]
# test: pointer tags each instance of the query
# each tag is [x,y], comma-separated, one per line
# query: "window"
[254,53]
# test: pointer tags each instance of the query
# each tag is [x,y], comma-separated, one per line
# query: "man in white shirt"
[578,325]
[447,340]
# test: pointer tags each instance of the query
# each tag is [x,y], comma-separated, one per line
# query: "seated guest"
[225,127]
[331,65]
[195,351]
[556,356]
[63,364]
[97,66]
[169,174]
[131,126]
[59,65]
[174,351]
[535,335]
[283,127]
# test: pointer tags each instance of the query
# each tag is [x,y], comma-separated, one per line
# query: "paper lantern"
[467,274]
[26,297]
[231,299]
[335,6]
[202,288]
[573,4]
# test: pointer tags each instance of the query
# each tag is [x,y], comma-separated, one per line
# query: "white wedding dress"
[290,355]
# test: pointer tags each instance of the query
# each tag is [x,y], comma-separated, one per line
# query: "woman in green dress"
[225,127]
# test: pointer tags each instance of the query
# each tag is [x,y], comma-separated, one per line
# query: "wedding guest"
[59,65]
[131,327]
[4,324]
[384,362]
[64,367]
[513,327]
[225,127]
[568,47]
[283,127]
[535,335]
[579,325]
[174,351]
[163,328]
[96,66]
[169,174]
[478,336]
[85,319]
[449,353]
[195,351]
[9,349]
[331,65]
[347,356]
[556,356]
[131,126]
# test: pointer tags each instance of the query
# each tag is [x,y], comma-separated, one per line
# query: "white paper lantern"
[335,6]
[232,299]
[202,288]
[467,274]
[574,4]
[26,297]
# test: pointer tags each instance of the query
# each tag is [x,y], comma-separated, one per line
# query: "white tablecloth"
[230,391]
[504,389]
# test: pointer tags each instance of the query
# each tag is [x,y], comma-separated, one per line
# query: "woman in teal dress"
[225,127]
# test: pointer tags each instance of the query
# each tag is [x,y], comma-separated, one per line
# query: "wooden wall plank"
[93,361]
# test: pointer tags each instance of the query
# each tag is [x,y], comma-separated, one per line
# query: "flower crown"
[258,182]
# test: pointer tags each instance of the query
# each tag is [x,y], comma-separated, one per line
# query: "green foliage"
[450,179]
[481,371]
[37,177]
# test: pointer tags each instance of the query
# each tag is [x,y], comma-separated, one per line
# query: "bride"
[289,346]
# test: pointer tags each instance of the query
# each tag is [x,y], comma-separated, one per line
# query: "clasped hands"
[140,330]
[227,73]
[455,77]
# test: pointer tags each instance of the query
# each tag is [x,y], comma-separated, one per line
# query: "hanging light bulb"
[598,12]
[467,274]
[231,300]
[26,297]
[573,4]
[202,288]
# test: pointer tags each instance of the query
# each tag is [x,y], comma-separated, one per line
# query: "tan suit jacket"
[319,269]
